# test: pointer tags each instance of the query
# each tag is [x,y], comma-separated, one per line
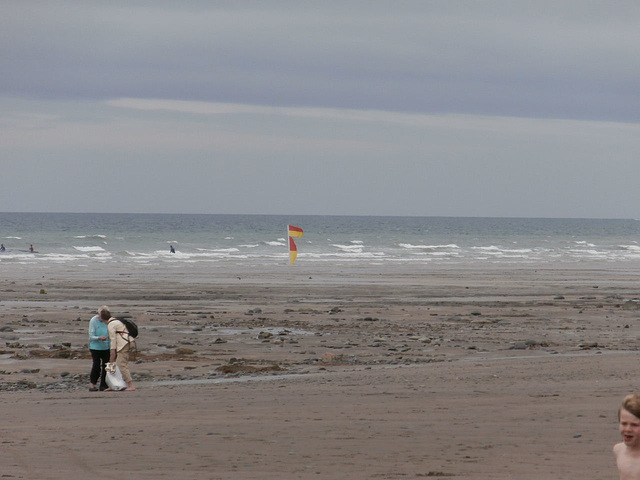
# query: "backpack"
[132,328]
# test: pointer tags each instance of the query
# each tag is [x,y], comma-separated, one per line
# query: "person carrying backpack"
[122,344]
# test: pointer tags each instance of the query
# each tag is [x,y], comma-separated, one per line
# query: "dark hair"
[104,312]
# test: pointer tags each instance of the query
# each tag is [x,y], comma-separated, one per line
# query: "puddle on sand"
[7,359]
[249,331]
[206,381]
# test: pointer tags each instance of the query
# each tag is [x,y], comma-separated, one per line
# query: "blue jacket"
[98,329]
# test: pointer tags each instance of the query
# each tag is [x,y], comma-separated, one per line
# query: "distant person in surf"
[2,249]
[31,249]
[171,249]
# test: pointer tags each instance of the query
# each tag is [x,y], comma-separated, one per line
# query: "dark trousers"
[100,360]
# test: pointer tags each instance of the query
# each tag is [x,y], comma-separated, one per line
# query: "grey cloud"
[547,59]
[85,84]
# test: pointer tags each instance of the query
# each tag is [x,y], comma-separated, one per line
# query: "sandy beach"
[476,373]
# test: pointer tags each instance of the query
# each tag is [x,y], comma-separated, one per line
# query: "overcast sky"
[431,108]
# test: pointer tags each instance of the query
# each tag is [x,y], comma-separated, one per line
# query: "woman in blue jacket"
[99,348]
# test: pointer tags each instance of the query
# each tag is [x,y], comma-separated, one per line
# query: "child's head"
[631,403]
[629,421]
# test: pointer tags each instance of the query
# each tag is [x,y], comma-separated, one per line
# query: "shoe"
[93,389]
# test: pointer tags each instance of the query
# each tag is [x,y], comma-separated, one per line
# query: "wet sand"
[482,373]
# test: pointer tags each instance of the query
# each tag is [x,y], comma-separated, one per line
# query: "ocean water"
[255,240]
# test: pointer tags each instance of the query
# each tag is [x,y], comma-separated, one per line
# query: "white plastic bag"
[114,377]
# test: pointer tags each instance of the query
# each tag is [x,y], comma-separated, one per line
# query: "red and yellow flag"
[295,231]
[293,250]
